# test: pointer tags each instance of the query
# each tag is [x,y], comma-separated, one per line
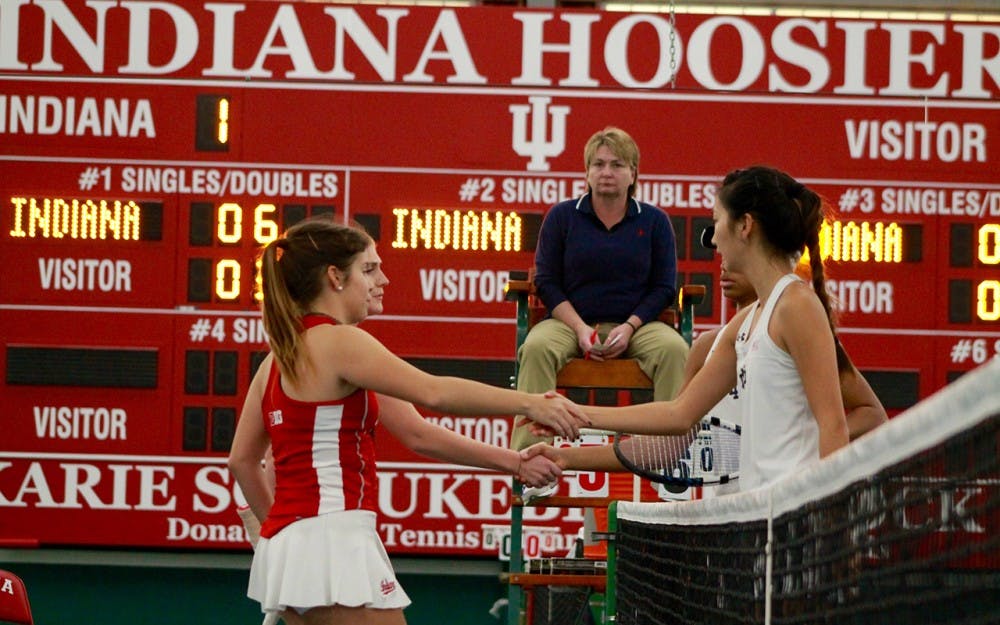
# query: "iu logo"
[387,586]
[539,146]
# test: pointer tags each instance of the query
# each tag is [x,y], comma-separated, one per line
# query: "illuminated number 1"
[988,300]
[213,123]
[222,133]
[227,279]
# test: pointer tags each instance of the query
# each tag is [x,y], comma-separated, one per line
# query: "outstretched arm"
[406,424]
[360,360]
[591,458]
[708,386]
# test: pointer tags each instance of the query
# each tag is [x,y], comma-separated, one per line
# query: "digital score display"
[238,232]
[228,279]
[978,248]
[131,219]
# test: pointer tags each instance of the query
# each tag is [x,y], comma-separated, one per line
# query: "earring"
[340,288]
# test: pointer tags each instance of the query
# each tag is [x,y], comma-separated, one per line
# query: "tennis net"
[901,527]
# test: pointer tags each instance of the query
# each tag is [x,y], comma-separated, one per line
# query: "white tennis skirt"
[331,559]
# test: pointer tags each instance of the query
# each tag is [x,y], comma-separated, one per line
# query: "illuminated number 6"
[264,230]
[227,279]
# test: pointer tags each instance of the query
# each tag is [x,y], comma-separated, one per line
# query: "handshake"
[540,465]
[548,414]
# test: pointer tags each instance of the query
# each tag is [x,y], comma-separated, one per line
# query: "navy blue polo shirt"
[605,274]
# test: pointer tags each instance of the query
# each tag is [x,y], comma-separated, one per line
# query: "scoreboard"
[148,150]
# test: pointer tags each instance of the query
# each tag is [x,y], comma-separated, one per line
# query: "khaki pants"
[660,350]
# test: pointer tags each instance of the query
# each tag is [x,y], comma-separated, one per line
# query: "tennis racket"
[708,454]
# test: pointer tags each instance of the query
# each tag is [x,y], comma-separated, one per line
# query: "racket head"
[709,453]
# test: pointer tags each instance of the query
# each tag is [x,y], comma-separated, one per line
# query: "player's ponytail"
[813,215]
[280,312]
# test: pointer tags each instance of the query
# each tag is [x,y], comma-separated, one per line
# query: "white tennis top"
[780,434]
[729,407]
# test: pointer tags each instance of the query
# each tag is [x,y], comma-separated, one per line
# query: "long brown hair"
[293,269]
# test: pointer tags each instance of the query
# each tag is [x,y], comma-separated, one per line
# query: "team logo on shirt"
[388,586]
[275,417]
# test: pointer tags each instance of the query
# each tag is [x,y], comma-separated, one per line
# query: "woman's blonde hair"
[621,145]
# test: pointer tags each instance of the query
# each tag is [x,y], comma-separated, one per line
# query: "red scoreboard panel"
[147,150]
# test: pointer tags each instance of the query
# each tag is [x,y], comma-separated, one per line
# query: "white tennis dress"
[780,434]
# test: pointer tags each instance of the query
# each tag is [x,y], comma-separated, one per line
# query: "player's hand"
[251,524]
[546,450]
[558,413]
[537,470]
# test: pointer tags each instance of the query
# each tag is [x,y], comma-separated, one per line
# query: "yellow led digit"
[988,300]
[989,244]
[258,281]
[265,229]
[223,121]
[229,224]
[227,279]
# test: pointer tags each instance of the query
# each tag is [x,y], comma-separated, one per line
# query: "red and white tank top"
[324,452]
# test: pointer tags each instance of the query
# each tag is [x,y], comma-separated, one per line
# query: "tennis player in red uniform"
[313,400]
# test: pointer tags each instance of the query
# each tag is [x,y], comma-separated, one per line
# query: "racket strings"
[661,453]
[705,452]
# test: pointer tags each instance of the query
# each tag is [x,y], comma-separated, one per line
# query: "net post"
[611,588]
[515,594]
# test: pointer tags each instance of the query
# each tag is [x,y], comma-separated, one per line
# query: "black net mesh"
[915,543]
[561,605]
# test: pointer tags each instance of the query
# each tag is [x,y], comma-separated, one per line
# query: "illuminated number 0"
[988,300]
[989,244]
[227,279]
[229,225]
